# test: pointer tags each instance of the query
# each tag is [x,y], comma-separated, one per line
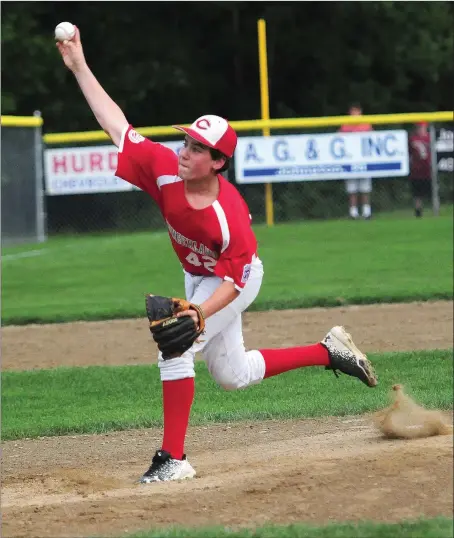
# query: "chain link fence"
[293,201]
[22,212]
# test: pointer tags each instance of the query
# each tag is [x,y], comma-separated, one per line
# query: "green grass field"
[97,399]
[322,263]
[429,528]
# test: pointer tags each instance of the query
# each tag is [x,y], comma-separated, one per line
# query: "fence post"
[39,182]
[434,170]
[265,106]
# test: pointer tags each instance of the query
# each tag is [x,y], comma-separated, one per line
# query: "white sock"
[354,212]
[367,212]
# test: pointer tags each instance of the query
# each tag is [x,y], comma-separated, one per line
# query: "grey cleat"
[347,358]
[164,468]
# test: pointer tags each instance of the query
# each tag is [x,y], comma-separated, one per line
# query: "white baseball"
[65,31]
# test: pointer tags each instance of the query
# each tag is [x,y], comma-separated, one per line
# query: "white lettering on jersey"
[190,243]
[207,261]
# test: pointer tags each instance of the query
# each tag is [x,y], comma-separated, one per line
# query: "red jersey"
[215,240]
[358,128]
[420,158]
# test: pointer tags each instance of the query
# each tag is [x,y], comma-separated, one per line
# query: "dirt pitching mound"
[278,471]
[405,419]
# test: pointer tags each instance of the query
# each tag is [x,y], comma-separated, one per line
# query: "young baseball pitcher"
[210,229]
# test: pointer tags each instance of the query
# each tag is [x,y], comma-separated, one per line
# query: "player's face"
[195,161]
[355,111]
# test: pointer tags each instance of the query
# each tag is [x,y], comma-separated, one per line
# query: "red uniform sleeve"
[234,264]
[143,162]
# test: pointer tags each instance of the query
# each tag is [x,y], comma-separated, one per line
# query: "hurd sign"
[86,170]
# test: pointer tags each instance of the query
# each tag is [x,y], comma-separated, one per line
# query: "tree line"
[168,62]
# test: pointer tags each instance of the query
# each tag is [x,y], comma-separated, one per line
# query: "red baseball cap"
[214,132]
[422,124]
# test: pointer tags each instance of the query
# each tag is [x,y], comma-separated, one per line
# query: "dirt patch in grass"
[390,327]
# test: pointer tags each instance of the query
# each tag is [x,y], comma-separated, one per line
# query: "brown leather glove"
[174,335]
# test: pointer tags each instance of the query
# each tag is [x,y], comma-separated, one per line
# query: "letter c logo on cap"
[203,124]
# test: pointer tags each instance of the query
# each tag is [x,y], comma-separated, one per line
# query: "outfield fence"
[106,204]
[22,187]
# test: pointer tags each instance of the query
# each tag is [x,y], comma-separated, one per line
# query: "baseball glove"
[174,335]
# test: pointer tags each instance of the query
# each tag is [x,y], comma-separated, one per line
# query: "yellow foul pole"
[265,106]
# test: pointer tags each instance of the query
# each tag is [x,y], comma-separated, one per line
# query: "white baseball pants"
[222,345]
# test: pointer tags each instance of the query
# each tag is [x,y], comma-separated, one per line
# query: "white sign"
[445,141]
[444,144]
[86,170]
[312,157]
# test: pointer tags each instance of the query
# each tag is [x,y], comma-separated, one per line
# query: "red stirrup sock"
[278,361]
[177,400]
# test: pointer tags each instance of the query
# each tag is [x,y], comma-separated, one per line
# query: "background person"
[358,186]
[420,166]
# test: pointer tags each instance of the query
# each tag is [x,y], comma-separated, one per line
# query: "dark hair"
[216,155]
[355,104]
